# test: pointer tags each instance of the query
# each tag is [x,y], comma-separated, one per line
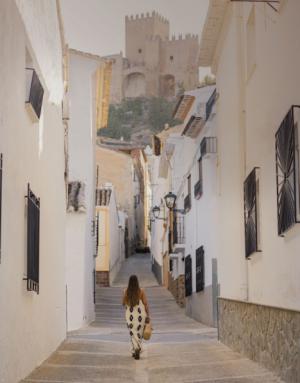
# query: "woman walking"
[137,313]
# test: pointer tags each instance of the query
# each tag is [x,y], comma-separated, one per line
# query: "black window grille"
[251,213]
[287,172]
[1,164]
[198,188]
[208,145]
[178,228]
[210,103]
[94,286]
[33,241]
[200,281]
[188,276]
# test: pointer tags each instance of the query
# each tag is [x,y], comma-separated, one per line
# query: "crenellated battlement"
[147,16]
[181,37]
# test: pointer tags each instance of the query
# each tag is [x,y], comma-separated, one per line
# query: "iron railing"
[187,203]
[200,276]
[188,275]
[287,174]
[33,241]
[250,213]
[208,145]
[210,103]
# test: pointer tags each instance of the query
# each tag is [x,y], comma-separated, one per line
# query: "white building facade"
[258,173]
[80,233]
[111,224]
[33,198]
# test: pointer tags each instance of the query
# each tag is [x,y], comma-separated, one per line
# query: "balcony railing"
[210,103]
[187,203]
[198,189]
[178,230]
[208,145]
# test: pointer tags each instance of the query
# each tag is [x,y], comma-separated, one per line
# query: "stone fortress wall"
[155,64]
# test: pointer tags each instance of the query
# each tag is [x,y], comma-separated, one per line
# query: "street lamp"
[170,200]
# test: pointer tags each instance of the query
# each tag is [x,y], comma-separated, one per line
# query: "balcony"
[187,203]
[198,189]
[208,146]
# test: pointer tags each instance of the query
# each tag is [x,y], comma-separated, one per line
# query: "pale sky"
[98,26]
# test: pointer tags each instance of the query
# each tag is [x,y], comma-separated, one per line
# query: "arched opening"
[135,85]
[167,86]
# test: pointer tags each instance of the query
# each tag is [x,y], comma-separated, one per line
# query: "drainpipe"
[242,115]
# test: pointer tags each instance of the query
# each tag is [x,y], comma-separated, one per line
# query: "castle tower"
[140,28]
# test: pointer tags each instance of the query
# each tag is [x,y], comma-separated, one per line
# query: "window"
[188,275]
[198,188]
[251,45]
[171,58]
[187,200]
[1,163]
[140,50]
[251,217]
[200,281]
[33,241]
[208,145]
[34,90]
[157,145]
[287,171]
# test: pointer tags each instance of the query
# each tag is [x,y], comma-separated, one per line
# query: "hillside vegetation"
[138,115]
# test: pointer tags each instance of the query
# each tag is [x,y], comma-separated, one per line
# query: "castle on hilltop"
[154,64]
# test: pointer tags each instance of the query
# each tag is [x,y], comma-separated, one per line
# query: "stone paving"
[180,350]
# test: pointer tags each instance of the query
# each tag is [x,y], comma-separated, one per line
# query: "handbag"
[147,331]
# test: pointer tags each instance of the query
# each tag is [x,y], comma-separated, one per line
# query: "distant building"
[110,231]
[154,64]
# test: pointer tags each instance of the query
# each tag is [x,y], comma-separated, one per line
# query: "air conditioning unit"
[34,94]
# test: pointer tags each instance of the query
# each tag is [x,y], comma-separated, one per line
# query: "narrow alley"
[180,350]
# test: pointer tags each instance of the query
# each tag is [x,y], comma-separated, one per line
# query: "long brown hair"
[133,291]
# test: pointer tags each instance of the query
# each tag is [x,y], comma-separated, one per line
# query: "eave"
[211,31]
[183,106]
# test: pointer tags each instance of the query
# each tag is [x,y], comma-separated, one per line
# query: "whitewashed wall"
[32,153]
[116,238]
[265,97]
[80,243]
[159,235]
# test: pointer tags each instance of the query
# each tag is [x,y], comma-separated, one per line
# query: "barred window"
[33,241]
[251,216]
[287,171]
[188,276]
[200,281]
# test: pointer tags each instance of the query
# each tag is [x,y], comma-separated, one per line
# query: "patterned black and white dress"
[135,318]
